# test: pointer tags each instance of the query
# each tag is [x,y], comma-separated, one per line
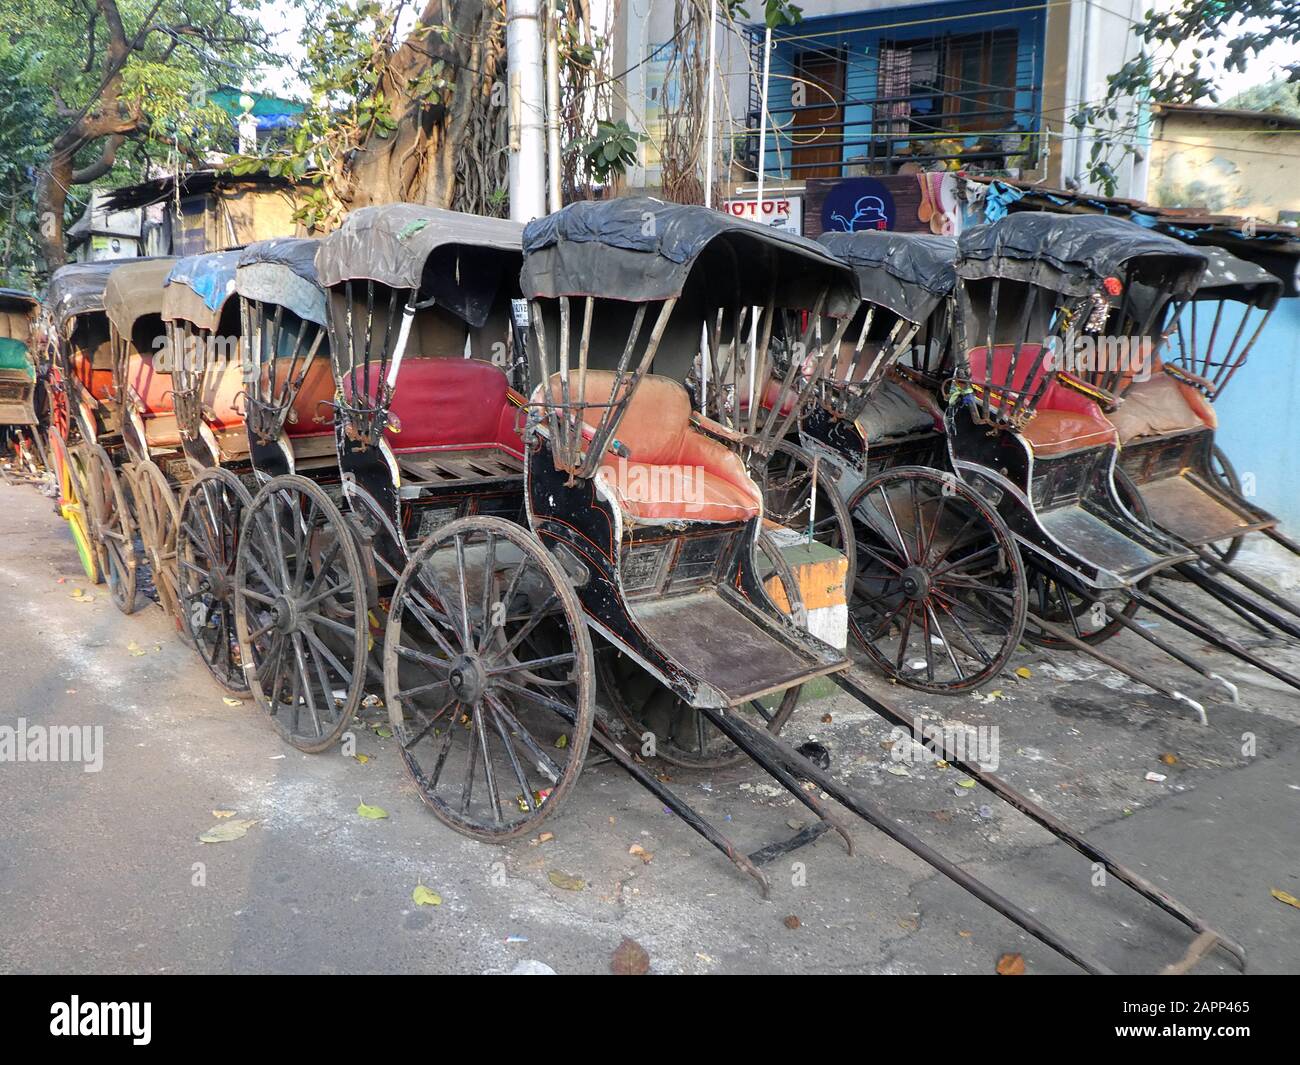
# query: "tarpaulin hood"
[1074,253]
[392,243]
[458,261]
[134,291]
[78,288]
[907,273]
[1227,277]
[15,299]
[640,249]
[282,272]
[197,288]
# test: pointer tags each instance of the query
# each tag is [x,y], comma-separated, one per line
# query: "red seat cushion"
[1065,420]
[673,471]
[451,404]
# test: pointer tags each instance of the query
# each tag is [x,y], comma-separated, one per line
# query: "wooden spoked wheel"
[74,508]
[207,544]
[488,677]
[939,599]
[113,526]
[300,612]
[158,515]
[1084,618]
[663,725]
[786,480]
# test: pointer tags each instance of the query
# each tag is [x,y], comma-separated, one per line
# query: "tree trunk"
[420,160]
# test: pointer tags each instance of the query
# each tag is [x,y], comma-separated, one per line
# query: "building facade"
[878,88]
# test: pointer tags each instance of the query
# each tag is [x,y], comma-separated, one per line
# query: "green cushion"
[13,356]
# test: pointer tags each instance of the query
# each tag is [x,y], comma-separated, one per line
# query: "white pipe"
[527,106]
[554,162]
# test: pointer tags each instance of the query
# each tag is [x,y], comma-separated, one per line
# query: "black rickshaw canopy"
[640,249]
[395,245]
[907,273]
[78,288]
[1074,254]
[1227,277]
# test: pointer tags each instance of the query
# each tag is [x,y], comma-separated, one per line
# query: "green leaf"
[372,813]
[423,896]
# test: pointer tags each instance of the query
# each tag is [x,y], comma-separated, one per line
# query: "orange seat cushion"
[673,471]
[149,388]
[222,394]
[450,404]
[309,405]
[1161,405]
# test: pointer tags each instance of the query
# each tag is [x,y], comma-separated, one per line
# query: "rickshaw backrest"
[450,403]
[656,418]
[150,387]
[1028,373]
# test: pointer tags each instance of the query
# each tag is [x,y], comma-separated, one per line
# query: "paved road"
[104,871]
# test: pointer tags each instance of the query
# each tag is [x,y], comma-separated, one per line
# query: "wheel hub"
[915,583]
[284,615]
[467,679]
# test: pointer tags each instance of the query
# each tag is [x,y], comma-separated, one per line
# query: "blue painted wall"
[859,36]
[1259,416]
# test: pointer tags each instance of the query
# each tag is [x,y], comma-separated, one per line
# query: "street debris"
[629,959]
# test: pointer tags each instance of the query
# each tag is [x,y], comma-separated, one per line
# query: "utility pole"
[527,110]
[554,182]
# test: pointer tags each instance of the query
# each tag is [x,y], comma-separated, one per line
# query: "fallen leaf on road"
[227,831]
[223,813]
[362,758]
[827,719]
[1011,965]
[630,959]
[1169,759]
[1283,896]
[967,783]
[640,852]
[136,650]
[423,896]
[567,881]
[231,702]
[372,813]
[792,922]
[562,742]
[1023,673]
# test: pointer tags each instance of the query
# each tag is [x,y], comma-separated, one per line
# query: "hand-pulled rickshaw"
[1035,294]
[424,445]
[84,421]
[939,597]
[748,371]
[19,430]
[1166,424]
[487,656]
[135,479]
[207,375]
